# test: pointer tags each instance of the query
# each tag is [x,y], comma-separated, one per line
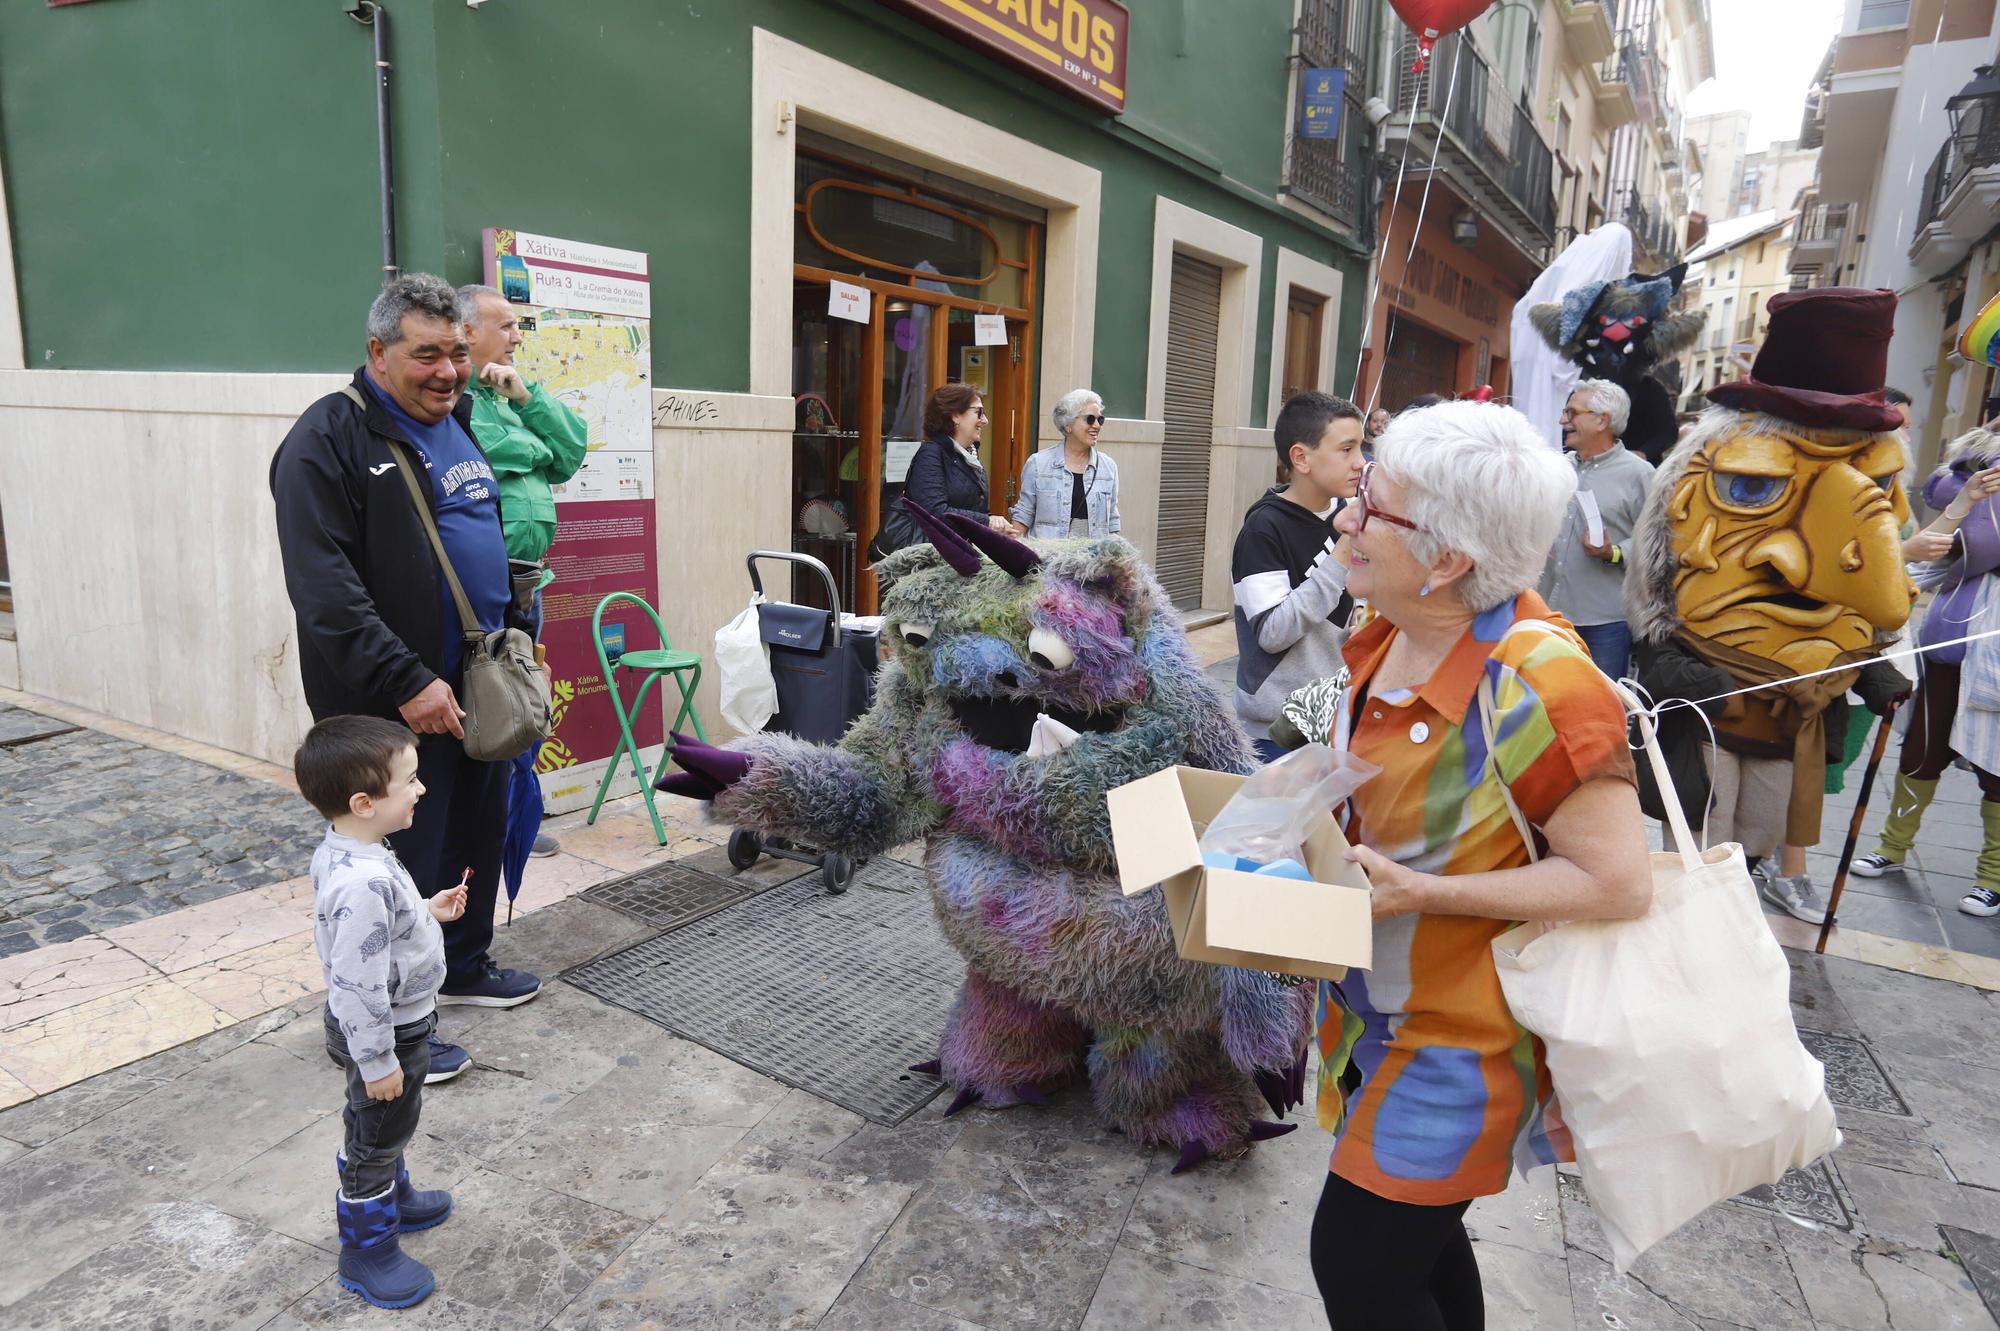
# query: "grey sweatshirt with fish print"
[382,953]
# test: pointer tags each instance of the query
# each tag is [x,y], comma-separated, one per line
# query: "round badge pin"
[1419,732]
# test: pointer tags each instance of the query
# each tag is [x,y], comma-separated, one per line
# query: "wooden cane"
[1854,823]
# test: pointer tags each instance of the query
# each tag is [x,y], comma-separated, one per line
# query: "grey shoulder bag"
[504,694]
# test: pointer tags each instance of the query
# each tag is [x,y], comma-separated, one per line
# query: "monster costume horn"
[948,543]
[1017,558]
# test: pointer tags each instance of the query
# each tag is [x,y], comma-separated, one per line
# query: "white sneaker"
[1980,901]
[1874,864]
[1797,897]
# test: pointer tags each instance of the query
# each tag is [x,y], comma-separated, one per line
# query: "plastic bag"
[1266,822]
[749,693]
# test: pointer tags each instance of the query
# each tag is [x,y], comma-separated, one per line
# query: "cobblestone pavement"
[97,831]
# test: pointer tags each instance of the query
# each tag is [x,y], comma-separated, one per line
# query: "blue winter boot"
[372,1262]
[415,1210]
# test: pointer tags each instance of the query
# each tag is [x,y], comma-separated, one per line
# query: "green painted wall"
[192,183]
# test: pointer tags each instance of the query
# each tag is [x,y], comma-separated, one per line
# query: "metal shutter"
[1193,317]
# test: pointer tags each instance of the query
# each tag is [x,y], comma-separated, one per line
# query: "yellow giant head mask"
[1787,540]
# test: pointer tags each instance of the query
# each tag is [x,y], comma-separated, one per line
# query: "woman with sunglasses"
[1448,534]
[1070,489]
[945,475]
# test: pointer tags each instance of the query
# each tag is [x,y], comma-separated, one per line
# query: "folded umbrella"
[524,824]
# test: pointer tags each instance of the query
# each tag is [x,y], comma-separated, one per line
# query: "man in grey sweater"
[383,957]
[1585,577]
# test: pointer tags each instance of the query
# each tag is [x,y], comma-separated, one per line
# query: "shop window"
[1305,322]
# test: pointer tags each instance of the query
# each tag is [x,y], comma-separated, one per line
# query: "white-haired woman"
[1070,488]
[1445,541]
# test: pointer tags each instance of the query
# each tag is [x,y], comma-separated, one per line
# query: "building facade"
[195,227]
[1666,48]
[1744,262]
[1907,113]
[1723,140]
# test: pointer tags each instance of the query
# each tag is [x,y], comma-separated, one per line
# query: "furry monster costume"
[1065,976]
[1624,331]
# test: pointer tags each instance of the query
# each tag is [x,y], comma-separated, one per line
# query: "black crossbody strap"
[468,621]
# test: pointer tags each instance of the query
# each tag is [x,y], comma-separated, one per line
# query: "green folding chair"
[649,664]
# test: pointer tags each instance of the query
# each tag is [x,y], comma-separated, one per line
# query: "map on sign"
[598,364]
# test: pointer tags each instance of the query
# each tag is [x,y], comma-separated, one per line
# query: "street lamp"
[1975,119]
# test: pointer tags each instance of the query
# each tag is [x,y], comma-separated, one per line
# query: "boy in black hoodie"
[1290,569]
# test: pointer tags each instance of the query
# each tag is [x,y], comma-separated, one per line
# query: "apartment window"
[1563,130]
[1305,325]
[1885,13]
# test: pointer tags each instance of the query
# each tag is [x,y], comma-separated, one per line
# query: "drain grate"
[1816,1193]
[1854,1079]
[836,995]
[671,896]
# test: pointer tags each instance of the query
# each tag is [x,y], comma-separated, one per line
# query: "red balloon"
[1432,19]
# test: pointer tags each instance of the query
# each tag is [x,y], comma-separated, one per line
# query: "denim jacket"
[1046,488]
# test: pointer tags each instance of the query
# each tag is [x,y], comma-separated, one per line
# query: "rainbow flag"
[1979,343]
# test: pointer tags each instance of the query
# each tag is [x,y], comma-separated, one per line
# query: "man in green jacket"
[531,440]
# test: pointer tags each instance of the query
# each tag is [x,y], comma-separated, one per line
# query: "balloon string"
[1382,249]
[1423,207]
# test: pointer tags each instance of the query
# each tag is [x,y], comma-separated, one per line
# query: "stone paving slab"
[99,832]
[611,1175]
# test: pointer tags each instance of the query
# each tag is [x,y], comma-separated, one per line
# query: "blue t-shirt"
[468,521]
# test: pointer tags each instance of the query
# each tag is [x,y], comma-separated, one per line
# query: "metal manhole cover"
[1814,1193]
[1854,1079]
[894,876]
[836,995]
[670,896]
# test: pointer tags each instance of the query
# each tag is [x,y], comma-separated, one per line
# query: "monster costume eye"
[915,635]
[1048,651]
[1744,490]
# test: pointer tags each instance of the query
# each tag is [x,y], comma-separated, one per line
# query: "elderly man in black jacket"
[379,634]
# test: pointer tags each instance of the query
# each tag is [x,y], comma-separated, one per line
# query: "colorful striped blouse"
[1451,1086]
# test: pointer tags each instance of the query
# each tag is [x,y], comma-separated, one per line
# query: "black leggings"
[1394,1266]
[1927,744]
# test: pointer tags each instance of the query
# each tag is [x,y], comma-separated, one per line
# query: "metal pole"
[1854,823]
[371,14]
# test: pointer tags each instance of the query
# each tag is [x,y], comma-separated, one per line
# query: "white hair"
[1607,397]
[469,297]
[1072,405]
[1478,480]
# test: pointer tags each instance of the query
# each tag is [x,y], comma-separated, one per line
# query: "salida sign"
[1076,45]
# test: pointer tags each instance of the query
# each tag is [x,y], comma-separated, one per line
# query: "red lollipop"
[1432,19]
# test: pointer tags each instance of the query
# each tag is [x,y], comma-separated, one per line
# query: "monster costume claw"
[1260,1131]
[930,1067]
[1192,1154]
[962,1100]
[707,770]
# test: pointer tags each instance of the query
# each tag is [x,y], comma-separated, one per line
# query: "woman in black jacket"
[945,476]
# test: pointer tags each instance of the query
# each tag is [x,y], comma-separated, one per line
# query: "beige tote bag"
[1669,1037]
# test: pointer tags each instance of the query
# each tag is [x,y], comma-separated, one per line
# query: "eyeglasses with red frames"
[1367,510]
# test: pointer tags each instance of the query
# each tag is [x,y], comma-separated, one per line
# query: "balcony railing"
[1497,138]
[1824,223]
[1333,174]
[1652,231]
[1976,145]
[1637,64]
[1746,328]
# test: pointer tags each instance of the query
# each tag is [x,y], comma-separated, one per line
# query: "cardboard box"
[1239,919]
